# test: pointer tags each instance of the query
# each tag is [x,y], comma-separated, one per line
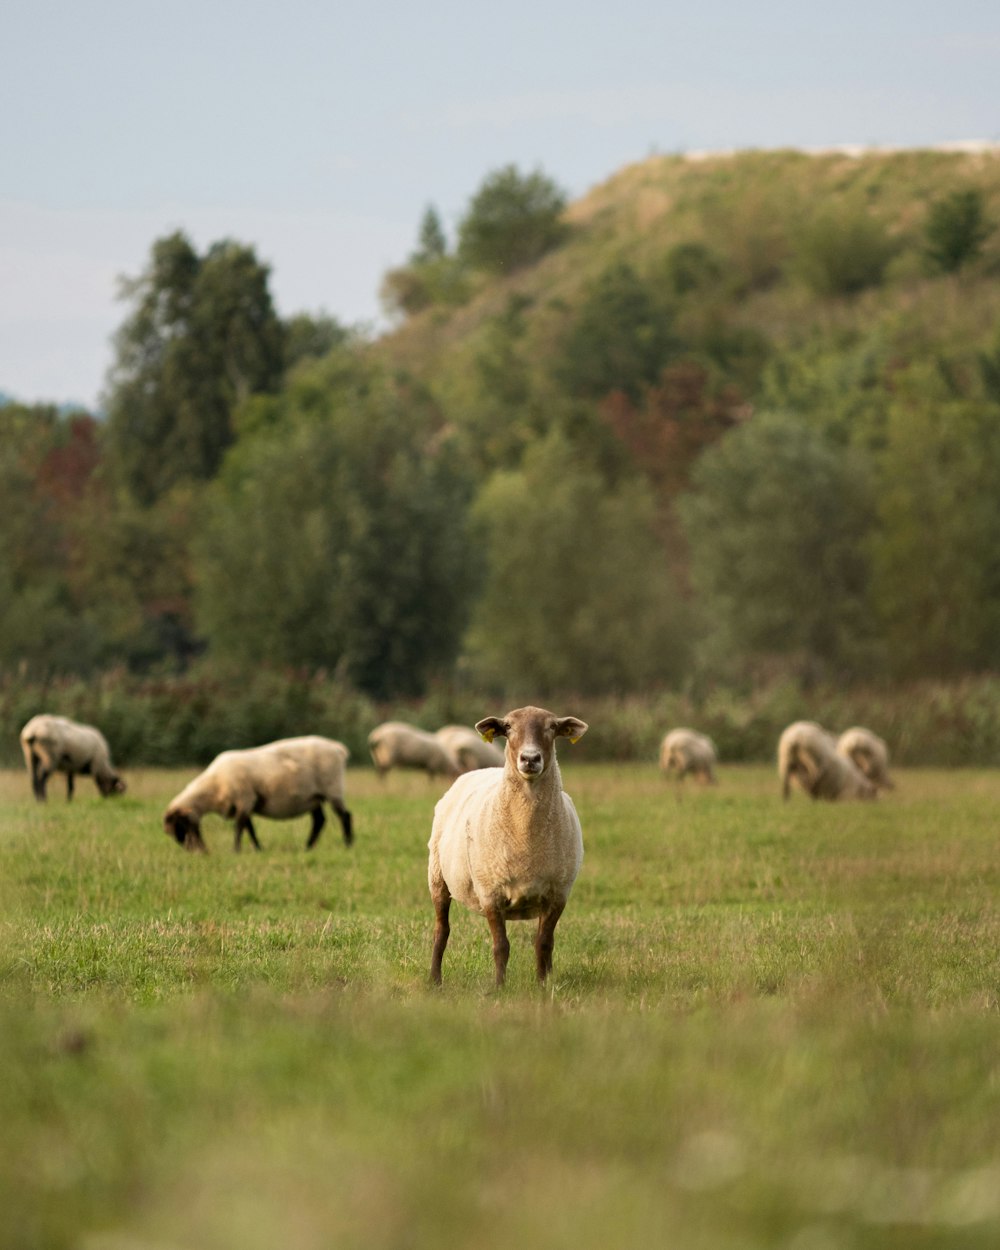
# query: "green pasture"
[769,1025]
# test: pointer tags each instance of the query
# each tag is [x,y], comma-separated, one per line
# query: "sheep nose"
[529,760]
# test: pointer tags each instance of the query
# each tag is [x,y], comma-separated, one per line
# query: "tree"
[201,336]
[432,244]
[956,229]
[777,522]
[512,221]
[336,534]
[578,597]
[936,552]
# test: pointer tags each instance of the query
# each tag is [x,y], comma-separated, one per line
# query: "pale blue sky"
[318,132]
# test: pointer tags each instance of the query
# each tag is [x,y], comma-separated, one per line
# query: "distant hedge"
[179,721]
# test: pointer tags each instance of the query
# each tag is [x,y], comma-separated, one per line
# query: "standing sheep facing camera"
[468,750]
[280,780]
[54,744]
[507,842]
[809,754]
[685,751]
[869,753]
[398,745]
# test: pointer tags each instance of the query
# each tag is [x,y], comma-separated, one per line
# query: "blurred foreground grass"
[769,1025]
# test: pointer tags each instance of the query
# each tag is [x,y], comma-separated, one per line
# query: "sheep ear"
[489,726]
[570,727]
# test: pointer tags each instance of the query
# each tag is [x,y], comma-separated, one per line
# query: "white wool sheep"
[398,745]
[809,754]
[507,842]
[55,744]
[685,751]
[869,753]
[280,780]
[468,750]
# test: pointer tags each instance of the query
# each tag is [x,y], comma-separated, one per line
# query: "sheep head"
[184,828]
[531,734]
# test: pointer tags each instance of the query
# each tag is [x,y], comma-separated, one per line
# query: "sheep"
[398,745]
[468,750]
[685,751]
[808,753]
[280,780]
[507,842]
[869,753]
[55,744]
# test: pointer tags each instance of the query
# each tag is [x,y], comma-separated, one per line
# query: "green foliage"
[956,229]
[620,338]
[336,535]
[693,267]
[578,596]
[777,520]
[937,547]
[309,338]
[512,221]
[201,336]
[843,250]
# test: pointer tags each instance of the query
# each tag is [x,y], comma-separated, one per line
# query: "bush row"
[182,721]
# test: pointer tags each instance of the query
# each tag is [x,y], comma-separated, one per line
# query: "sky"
[318,132]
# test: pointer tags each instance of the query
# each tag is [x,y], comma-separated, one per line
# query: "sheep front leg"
[442,903]
[69,786]
[501,946]
[243,822]
[545,939]
[318,821]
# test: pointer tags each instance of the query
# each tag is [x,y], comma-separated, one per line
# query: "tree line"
[709,462]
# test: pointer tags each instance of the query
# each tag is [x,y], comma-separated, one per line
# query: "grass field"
[769,1025]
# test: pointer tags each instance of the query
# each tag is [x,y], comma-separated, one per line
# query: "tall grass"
[172,721]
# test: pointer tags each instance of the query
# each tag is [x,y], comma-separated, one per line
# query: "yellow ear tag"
[574,741]
[488,734]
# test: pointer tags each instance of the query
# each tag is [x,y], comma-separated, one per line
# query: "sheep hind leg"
[545,939]
[345,820]
[69,786]
[442,904]
[501,944]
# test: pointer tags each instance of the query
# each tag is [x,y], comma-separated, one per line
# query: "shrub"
[956,229]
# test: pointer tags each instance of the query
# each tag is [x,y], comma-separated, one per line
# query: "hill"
[787,243]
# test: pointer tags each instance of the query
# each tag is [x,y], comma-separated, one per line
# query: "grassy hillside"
[753,211]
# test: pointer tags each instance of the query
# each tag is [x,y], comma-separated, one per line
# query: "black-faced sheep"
[398,745]
[54,744]
[809,754]
[685,751]
[281,780]
[507,842]
[869,753]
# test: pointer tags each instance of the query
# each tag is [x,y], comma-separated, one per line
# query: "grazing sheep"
[469,751]
[398,745]
[685,751]
[809,754]
[869,753]
[280,780]
[54,744]
[507,842]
